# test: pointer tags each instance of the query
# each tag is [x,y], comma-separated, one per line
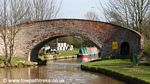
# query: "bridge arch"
[34,34]
[35,50]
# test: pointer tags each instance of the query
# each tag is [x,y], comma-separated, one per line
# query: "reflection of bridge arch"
[35,34]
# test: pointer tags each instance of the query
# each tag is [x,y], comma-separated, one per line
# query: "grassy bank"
[123,67]
[147,50]
[17,62]
[68,53]
[63,53]
[147,46]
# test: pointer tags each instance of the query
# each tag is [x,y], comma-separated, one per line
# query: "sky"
[78,8]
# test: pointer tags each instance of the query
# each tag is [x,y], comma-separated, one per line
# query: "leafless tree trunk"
[18,9]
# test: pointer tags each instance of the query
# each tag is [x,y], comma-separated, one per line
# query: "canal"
[55,72]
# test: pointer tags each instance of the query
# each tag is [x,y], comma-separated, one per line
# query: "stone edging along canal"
[116,75]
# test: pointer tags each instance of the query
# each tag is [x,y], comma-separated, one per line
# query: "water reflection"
[56,72]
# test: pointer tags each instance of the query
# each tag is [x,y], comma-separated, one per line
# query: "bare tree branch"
[128,13]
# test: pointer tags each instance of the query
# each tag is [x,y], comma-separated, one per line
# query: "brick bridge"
[34,35]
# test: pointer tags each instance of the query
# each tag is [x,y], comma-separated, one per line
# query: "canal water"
[55,72]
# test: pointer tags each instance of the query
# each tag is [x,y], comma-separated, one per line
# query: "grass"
[60,54]
[16,61]
[147,49]
[1,59]
[147,46]
[69,52]
[123,67]
[63,53]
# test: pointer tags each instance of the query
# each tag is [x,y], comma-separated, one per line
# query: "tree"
[91,15]
[14,12]
[128,13]
[76,41]
[44,9]
[11,14]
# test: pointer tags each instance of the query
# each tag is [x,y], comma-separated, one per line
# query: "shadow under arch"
[125,49]
[35,50]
